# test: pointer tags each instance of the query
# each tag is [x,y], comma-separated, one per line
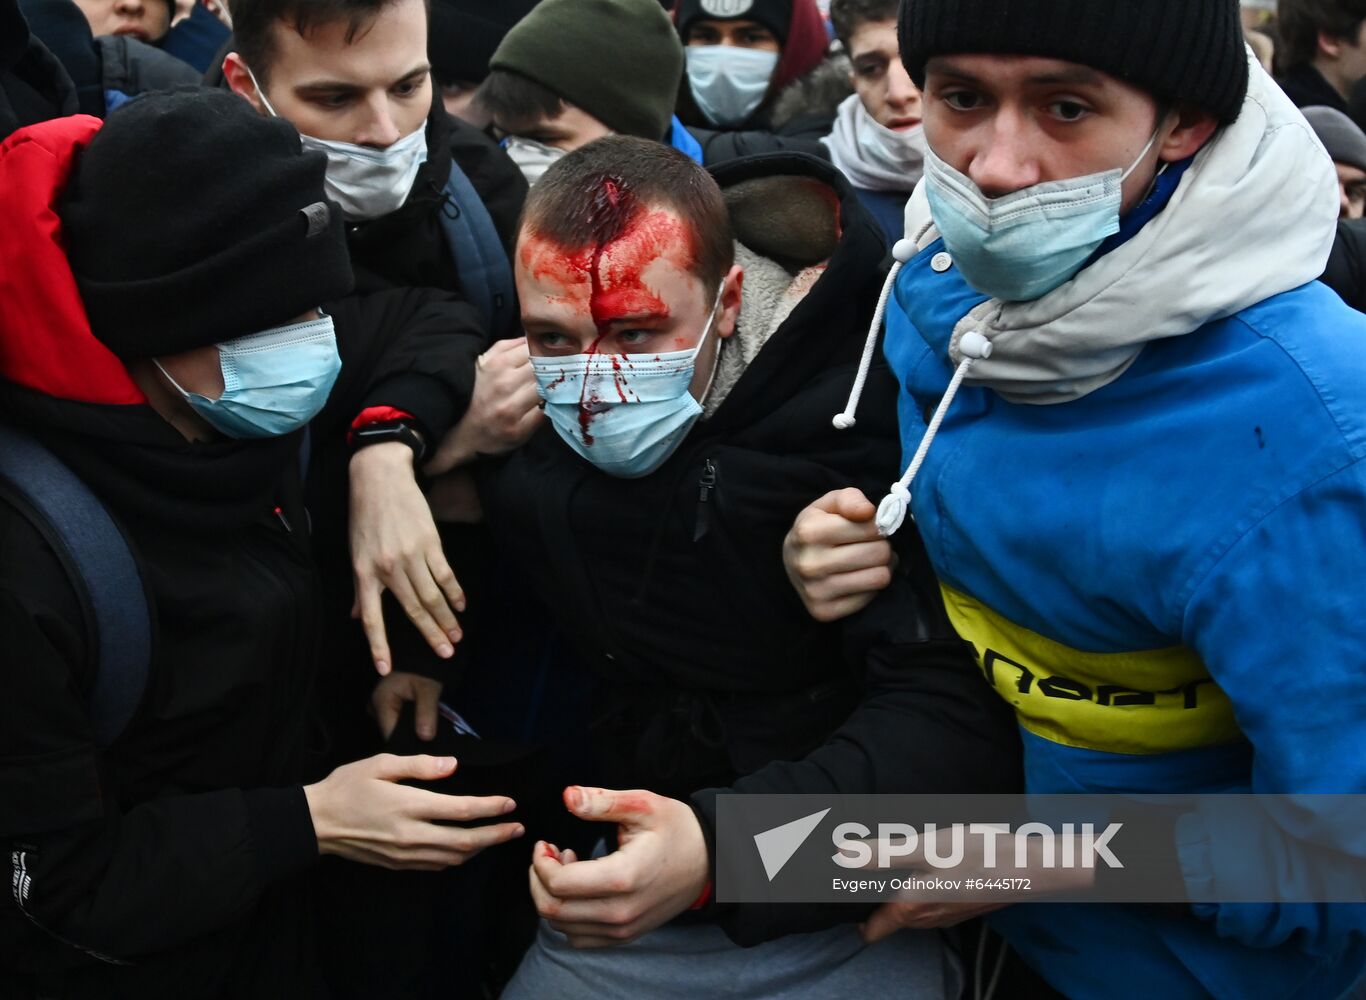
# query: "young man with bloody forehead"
[1145,497]
[688,427]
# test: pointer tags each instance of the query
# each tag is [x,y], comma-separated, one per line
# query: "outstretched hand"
[361,812]
[395,547]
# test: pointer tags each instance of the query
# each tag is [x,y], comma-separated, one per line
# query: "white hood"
[1253,216]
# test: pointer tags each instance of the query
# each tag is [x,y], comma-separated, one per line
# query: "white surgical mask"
[1025,244]
[366,182]
[532,158]
[728,82]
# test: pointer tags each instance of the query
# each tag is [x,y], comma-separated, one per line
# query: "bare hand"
[395,546]
[361,813]
[835,558]
[396,690]
[504,409]
[659,869]
[985,857]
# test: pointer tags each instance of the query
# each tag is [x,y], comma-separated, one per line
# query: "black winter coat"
[167,865]
[108,63]
[33,85]
[1345,272]
[673,589]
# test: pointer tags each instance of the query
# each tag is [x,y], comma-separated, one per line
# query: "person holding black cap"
[1132,422]
[742,55]
[174,330]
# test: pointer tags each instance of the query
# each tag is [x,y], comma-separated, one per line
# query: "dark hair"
[515,100]
[1300,22]
[849,15]
[254,20]
[589,197]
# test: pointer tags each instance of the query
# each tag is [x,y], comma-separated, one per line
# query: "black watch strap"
[390,430]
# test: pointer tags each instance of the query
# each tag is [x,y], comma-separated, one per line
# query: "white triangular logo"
[777,846]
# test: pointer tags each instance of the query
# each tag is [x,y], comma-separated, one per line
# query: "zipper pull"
[705,486]
[707,483]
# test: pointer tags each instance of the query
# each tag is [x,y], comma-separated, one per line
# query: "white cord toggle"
[973,345]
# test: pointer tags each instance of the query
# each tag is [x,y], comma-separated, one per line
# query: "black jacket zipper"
[705,486]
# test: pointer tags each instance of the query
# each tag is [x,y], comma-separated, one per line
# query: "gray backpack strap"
[102,571]
[480,260]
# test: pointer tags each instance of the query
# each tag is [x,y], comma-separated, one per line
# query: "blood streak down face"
[630,290]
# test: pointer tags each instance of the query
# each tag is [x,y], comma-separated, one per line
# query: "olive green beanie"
[619,60]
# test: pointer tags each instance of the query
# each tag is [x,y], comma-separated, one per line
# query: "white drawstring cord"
[901,253]
[972,345]
[892,511]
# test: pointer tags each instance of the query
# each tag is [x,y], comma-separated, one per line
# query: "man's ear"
[1192,130]
[1330,45]
[732,286]
[240,82]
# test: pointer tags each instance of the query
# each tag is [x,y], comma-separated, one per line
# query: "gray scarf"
[872,156]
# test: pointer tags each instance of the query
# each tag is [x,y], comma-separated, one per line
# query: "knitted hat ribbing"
[190,219]
[619,60]
[1180,51]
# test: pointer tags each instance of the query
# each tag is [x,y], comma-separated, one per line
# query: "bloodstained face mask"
[627,411]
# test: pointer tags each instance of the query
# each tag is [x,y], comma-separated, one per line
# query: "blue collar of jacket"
[1164,186]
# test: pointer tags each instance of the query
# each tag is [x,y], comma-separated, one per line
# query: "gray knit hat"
[1345,142]
[1180,51]
[619,60]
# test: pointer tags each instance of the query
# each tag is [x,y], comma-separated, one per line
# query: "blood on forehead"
[607,279]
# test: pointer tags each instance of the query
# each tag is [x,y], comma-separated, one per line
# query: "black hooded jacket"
[164,864]
[110,63]
[33,85]
[672,586]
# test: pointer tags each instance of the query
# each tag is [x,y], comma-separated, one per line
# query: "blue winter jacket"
[1167,578]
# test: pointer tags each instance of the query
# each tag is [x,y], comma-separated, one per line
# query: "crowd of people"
[448,446]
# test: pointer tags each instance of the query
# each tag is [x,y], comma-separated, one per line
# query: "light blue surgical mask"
[274,382]
[728,82]
[1025,244]
[624,413]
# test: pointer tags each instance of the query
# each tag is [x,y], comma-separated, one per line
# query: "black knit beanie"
[775,15]
[462,35]
[1180,51]
[190,219]
[618,60]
